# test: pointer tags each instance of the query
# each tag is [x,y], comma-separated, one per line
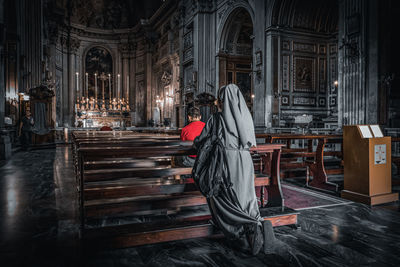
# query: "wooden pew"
[127,190]
[313,161]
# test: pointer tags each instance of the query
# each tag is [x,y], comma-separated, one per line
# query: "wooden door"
[237,70]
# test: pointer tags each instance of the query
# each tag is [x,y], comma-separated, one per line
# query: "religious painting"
[304,74]
[98,61]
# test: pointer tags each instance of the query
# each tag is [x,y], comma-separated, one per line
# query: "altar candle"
[86,85]
[95,86]
[127,88]
[119,85]
[77,84]
[109,86]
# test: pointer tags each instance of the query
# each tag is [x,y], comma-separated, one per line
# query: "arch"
[308,15]
[235,50]
[227,19]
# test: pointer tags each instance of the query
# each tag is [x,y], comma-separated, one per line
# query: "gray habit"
[235,210]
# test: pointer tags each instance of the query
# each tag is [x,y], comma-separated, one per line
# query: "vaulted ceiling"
[110,14]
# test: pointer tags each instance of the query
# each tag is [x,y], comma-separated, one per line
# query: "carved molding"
[73,43]
[304,47]
[127,48]
[322,75]
[303,101]
[166,78]
[285,73]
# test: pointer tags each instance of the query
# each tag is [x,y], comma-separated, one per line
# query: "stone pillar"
[5,144]
[148,73]
[271,98]
[2,64]
[204,47]
[72,69]
[132,79]
[262,100]
[358,62]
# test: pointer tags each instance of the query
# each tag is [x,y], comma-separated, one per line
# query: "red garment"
[191,131]
[105,128]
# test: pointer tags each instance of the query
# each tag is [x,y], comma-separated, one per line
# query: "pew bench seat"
[172,230]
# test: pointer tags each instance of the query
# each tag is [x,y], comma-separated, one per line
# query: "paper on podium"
[376,130]
[365,132]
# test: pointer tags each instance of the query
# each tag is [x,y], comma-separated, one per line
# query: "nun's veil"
[237,117]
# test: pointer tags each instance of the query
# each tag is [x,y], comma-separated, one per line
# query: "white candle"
[77,83]
[95,86]
[109,86]
[127,88]
[119,85]
[87,85]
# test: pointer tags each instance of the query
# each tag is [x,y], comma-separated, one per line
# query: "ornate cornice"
[72,43]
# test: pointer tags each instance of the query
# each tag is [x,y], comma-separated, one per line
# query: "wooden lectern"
[367,165]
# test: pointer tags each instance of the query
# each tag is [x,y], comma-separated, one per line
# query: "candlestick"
[77,84]
[95,86]
[127,88]
[109,86]
[87,85]
[119,85]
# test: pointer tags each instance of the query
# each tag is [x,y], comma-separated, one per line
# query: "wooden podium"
[367,165]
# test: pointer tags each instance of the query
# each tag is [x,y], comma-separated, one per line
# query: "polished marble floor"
[39,227]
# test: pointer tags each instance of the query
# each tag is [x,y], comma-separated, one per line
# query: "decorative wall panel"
[322,49]
[322,75]
[285,73]
[139,65]
[285,100]
[188,55]
[304,47]
[285,45]
[322,102]
[304,101]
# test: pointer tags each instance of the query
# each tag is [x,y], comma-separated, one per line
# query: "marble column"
[5,145]
[2,64]
[148,72]
[358,62]
[262,100]
[270,102]
[204,32]
[132,80]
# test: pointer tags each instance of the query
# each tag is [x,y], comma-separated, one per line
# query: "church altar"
[98,118]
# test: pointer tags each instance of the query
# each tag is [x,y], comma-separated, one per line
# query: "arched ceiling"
[239,30]
[310,15]
[110,14]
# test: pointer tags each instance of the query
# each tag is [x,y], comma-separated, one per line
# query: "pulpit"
[367,165]
[42,105]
